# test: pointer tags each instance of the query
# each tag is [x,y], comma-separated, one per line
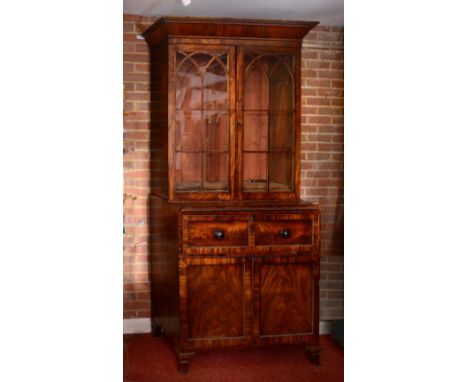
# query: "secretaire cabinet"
[235,253]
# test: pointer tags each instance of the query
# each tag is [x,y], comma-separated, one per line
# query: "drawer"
[215,232]
[279,231]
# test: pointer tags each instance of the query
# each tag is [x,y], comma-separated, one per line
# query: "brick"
[309,73]
[136,125]
[318,174]
[129,296]
[136,305]
[141,276]
[337,102]
[135,77]
[333,74]
[129,313]
[339,120]
[331,55]
[335,276]
[330,147]
[128,67]
[332,129]
[128,27]
[142,67]
[309,110]
[330,165]
[128,106]
[337,65]
[330,92]
[127,17]
[338,138]
[318,156]
[309,146]
[330,182]
[309,54]
[140,96]
[137,287]
[317,101]
[337,84]
[329,303]
[142,106]
[319,83]
[330,36]
[143,313]
[324,138]
[319,119]
[330,111]
[142,86]
[137,116]
[135,57]
[129,37]
[128,47]
[142,296]
[140,135]
[312,64]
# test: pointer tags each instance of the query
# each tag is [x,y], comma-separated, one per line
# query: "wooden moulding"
[226,27]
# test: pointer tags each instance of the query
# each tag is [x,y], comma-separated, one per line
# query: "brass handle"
[218,234]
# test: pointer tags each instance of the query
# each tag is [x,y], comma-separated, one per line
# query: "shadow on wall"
[338,224]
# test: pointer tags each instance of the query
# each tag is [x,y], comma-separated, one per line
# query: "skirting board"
[136,325]
[143,325]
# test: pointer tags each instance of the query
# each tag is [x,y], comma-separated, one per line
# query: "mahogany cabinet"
[235,254]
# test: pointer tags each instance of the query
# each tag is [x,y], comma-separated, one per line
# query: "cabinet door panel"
[268,117]
[217,302]
[284,291]
[201,122]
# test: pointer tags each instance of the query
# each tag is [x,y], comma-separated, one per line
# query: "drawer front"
[215,233]
[283,232]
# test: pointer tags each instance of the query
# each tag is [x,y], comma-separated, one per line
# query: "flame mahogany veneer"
[234,252]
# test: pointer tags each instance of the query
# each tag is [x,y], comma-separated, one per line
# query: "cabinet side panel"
[164,267]
[159,118]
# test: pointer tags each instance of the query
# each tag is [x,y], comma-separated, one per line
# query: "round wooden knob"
[218,234]
[285,233]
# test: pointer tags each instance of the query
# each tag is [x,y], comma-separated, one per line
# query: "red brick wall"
[136,167]
[322,154]
[322,159]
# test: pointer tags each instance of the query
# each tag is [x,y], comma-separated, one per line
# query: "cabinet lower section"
[235,295]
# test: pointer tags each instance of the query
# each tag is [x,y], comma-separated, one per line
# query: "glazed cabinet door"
[215,301]
[285,300]
[268,121]
[201,122]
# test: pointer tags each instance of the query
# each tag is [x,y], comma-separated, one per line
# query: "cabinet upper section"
[225,103]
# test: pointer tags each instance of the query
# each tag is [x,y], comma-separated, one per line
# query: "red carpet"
[149,359]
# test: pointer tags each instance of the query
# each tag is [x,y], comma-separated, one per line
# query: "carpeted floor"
[150,359]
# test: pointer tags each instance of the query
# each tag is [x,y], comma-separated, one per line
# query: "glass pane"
[188,171]
[255,171]
[280,171]
[255,131]
[188,131]
[188,84]
[281,131]
[281,87]
[216,96]
[256,89]
[202,60]
[216,131]
[216,171]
